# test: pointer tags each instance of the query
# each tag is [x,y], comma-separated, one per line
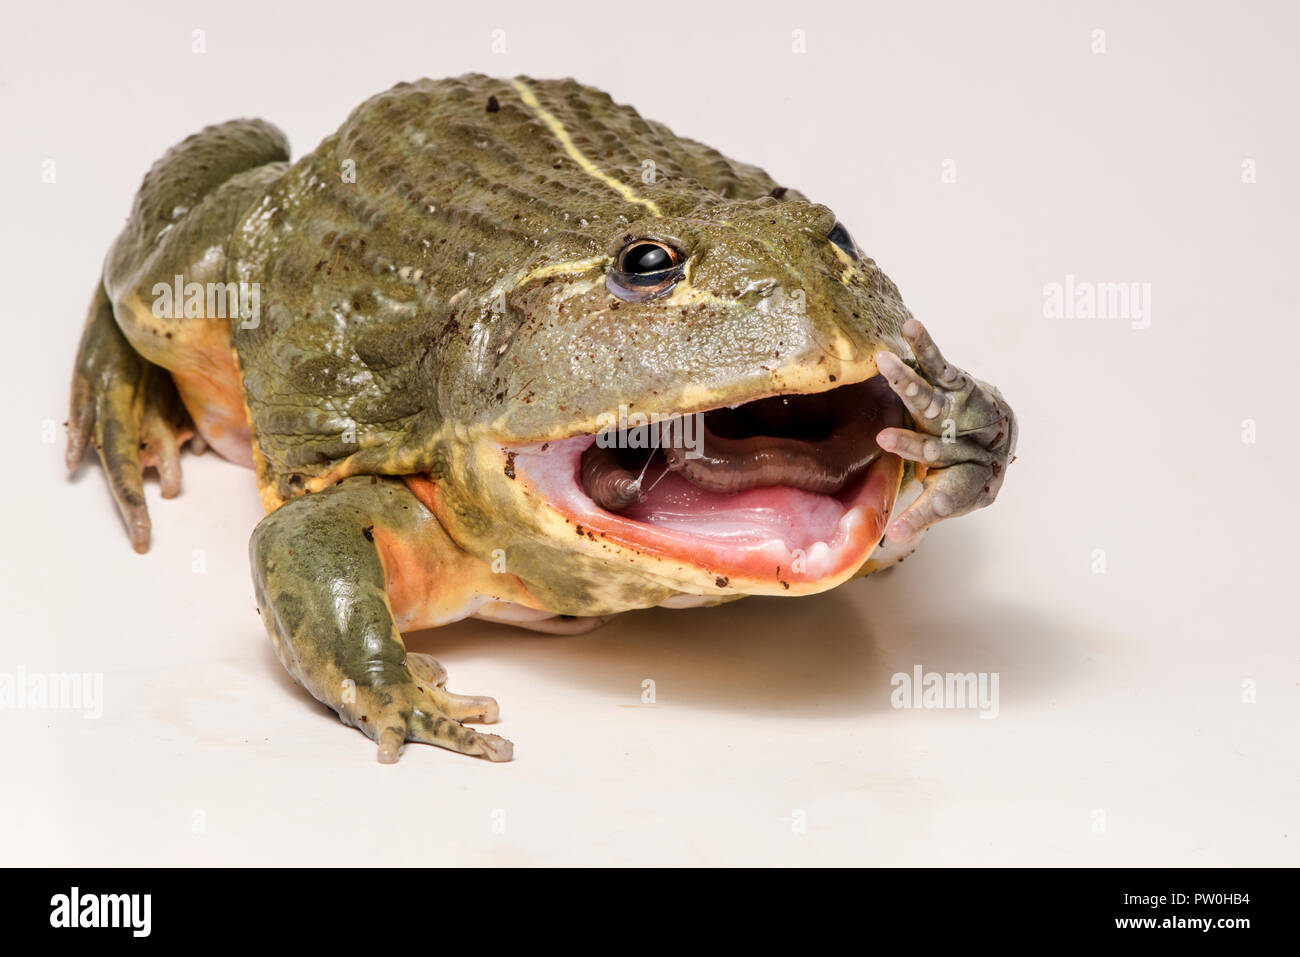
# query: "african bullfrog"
[506,349]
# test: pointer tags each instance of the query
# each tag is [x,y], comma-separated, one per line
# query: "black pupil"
[646,257]
[840,237]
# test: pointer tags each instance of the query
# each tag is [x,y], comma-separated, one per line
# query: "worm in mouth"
[818,443]
[610,485]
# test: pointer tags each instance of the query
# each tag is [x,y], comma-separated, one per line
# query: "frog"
[505,349]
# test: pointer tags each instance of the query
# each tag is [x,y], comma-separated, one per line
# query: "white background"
[1123,737]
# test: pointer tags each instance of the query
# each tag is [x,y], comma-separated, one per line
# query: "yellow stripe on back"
[564,269]
[587,166]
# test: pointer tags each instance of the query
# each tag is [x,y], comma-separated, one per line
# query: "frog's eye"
[841,238]
[643,258]
[644,269]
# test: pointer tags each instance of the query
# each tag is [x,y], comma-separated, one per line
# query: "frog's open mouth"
[781,490]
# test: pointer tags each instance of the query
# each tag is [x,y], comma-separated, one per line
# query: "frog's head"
[750,327]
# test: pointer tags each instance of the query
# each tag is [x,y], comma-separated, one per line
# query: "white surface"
[1120,692]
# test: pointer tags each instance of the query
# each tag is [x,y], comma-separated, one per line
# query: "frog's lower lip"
[775,539]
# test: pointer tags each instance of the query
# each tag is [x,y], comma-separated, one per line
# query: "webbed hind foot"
[130,410]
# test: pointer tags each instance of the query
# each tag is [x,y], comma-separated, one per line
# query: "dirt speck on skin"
[722,581]
[510,465]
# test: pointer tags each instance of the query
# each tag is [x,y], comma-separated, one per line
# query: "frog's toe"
[115,434]
[444,732]
[160,447]
[931,450]
[491,746]
[432,678]
[951,491]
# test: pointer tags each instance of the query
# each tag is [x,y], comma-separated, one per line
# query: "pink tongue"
[795,517]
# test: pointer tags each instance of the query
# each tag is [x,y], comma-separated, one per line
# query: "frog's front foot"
[419,708]
[965,434]
[130,410]
[323,566]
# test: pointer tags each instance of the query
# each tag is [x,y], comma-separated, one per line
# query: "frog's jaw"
[763,540]
[776,540]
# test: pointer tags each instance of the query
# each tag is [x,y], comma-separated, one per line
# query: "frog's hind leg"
[151,370]
[171,278]
[129,409]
